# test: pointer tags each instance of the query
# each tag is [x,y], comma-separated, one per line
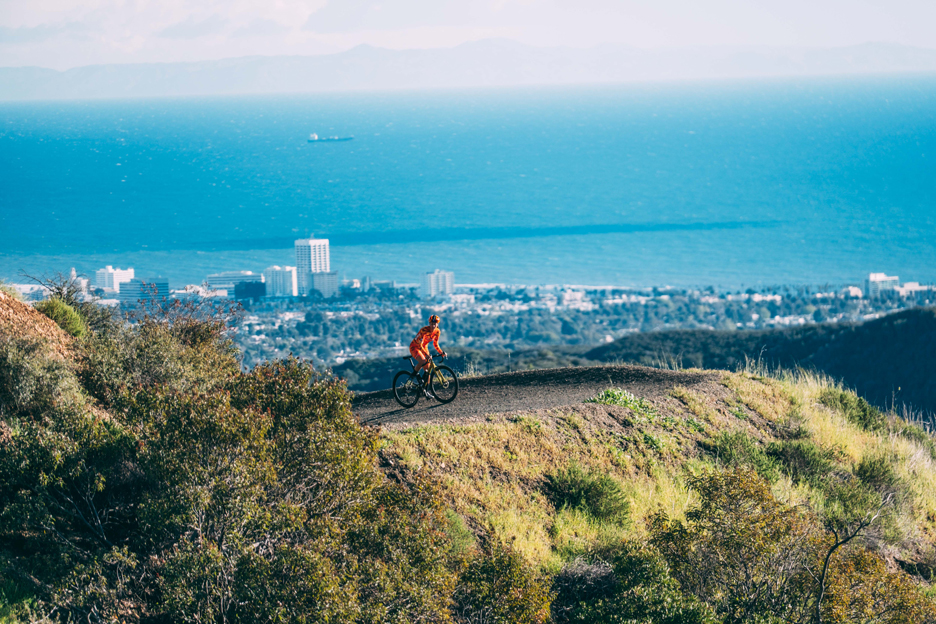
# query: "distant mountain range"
[487,63]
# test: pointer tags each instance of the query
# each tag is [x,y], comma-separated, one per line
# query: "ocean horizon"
[731,184]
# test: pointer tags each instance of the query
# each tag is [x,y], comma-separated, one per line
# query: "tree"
[851,509]
[165,482]
[740,550]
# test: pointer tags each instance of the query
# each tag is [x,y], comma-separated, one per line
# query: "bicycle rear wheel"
[444,384]
[406,388]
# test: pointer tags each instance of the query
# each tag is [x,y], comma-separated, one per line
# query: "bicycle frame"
[431,367]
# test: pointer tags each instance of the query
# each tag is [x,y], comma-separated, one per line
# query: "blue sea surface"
[731,184]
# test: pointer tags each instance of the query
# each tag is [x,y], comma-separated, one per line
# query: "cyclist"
[419,348]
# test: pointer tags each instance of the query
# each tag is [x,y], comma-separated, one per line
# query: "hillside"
[887,361]
[642,446]
[588,494]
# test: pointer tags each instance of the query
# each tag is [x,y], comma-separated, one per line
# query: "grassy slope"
[493,473]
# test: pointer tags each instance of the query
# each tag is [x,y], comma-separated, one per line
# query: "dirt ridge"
[525,391]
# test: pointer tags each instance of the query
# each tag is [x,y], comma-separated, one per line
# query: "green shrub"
[848,502]
[863,589]
[206,494]
[740,550]
[581,582]
[742,556]
[695,425]
[804,461]
[57,523]
[652,441]
[851,502]
[33,385]
[598,495]
[738,449]
[64,316]
[854,408]
[153,354]
[498,587]
[636,587]
[404,552]
[877,472]
[462,539]
[624,398]
[18,604]
[68,291]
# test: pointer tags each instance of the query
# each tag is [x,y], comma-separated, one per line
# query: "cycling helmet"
[434,319]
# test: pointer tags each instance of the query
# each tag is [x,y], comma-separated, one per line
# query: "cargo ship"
[314,138]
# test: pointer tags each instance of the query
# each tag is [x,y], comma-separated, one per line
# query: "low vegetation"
[760,499]
[64,316]
[617,396]
[596,495]
[155,481]
[152,479]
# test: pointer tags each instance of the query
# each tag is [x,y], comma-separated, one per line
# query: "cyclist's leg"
[423,369]
[420,355]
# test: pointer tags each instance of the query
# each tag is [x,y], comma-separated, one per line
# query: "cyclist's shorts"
[418,351]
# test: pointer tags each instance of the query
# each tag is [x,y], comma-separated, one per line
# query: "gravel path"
[525,391]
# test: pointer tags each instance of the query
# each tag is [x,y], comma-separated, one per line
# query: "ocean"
[731,184]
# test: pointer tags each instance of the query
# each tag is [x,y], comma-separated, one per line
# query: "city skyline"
[282,281]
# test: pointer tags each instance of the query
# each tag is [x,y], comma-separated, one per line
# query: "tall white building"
[880,282]
[281,281]
[312,256]
[437,283]
[110,278]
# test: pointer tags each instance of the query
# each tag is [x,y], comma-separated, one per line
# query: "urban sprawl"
[307,310]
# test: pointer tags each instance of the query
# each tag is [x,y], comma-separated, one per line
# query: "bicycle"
[441,383]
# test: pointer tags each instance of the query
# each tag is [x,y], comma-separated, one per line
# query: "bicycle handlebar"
[431,357]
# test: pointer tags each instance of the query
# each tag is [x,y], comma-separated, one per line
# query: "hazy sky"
[68,33]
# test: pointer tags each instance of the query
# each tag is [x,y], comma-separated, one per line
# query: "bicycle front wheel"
[406,388]
[444,384]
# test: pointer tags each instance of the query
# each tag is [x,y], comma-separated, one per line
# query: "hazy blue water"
[799,181]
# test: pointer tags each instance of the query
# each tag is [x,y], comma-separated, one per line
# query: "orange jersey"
[427,335]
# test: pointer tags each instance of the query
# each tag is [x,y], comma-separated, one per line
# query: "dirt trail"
[526,391]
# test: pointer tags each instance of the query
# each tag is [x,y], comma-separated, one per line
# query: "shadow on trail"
[416,410]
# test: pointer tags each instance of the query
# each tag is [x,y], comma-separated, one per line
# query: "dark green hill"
[719,349]
[890,360]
